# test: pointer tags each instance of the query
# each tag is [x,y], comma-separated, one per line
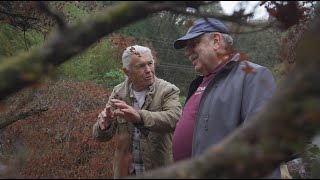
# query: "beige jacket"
[160,113]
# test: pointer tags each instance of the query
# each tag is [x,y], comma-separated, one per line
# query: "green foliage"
[261,47]
[311,160]
[277,72]
[214,8]
[182,100]
[92,64]
[104,61]
[76,68]
[306,165]
[113,78]
[74,13]
[13,41]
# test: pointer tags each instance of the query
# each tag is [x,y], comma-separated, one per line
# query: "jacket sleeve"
[165,119]
[258,89]
[107,134]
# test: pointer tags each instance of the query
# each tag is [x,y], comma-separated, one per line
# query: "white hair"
[136,49]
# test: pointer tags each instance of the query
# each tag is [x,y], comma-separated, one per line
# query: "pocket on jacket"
[154,137]
[154,141]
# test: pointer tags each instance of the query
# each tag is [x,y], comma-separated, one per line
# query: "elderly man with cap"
[227,92]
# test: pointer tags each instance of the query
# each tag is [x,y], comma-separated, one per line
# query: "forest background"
[46,128]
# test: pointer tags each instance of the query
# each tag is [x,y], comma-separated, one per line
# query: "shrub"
[113,77]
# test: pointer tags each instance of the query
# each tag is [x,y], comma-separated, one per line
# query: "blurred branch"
[17,15]
[58,17]
[18,72]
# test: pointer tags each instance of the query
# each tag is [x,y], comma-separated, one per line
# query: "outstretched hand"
[106,117]
[126,112]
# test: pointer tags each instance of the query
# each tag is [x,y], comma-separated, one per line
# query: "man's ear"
[126,71]
[217,40]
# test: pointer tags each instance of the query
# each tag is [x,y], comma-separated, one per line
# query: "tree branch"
[58,17]
[17,15]
[18,72]
[12,117]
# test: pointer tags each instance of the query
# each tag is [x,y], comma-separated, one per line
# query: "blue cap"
[199,27]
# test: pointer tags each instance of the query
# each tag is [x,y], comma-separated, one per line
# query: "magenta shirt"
[182,138]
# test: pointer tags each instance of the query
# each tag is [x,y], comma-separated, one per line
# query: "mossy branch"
[27,68]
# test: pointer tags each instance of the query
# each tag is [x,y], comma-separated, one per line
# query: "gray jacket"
[229,100]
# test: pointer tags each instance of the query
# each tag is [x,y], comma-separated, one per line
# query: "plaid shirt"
[137,166]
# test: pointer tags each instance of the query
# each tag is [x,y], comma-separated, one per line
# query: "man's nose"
[148,69]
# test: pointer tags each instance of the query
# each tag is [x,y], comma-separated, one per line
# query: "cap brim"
[182,42]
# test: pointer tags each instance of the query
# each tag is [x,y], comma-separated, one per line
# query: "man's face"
[141,71]
[201,51]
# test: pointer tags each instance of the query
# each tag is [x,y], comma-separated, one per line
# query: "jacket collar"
[124,91]
[224,70]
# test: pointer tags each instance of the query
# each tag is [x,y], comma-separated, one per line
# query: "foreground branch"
[27,68]
[13,117]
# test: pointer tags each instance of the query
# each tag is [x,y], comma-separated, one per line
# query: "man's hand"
[106,117]
[126,112]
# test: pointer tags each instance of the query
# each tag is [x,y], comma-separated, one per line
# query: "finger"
[126,111]
[119,112]
[103,113]
[111,105]
[100,117]
[110,113]
[122,105]
[116,101]
[108,106]
[109,110]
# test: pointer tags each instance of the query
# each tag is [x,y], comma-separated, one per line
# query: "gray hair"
[136,49]
[226,37]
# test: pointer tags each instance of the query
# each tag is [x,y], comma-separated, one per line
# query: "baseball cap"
[199,27]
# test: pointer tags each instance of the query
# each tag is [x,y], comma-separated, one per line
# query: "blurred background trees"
[57,142]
